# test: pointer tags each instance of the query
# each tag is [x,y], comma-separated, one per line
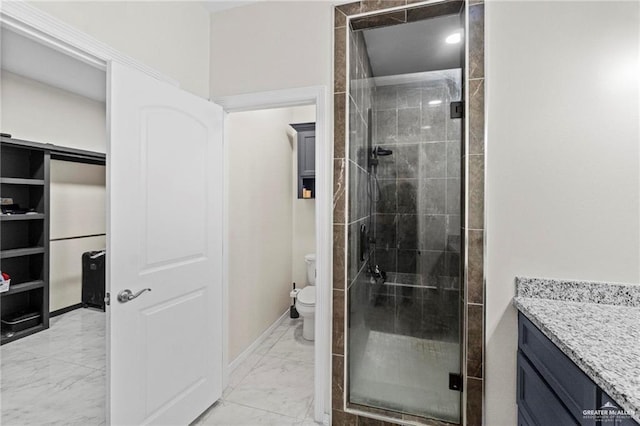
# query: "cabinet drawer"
[538,403]
[574,388]
[524,419]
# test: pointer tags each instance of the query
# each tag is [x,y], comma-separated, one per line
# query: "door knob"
[126,295]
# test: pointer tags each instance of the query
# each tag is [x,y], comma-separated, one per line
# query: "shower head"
[381,152]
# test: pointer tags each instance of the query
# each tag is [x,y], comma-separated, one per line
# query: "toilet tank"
[310,260]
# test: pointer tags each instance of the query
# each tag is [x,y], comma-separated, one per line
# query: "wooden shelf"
[5,254]
[26,286]
[14,217]
[21,181]
[23,333]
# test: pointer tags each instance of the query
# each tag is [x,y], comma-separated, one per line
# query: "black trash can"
[93,279]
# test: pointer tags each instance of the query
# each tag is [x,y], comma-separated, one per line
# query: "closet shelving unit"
[24,238]
[24,249]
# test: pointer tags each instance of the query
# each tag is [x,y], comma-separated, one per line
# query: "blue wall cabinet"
[306,158]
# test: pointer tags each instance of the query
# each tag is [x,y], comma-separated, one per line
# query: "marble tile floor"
[56,376]
[273,386]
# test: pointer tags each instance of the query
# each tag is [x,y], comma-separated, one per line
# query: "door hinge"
[455,382]
[107,299]
[457,109]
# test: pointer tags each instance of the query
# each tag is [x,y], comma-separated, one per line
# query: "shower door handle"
[364,242]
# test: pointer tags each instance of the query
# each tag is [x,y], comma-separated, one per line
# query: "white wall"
[563,159]
[271,45]
[172,36]
[77,199]
[262,219]
[77,210]
[35,111]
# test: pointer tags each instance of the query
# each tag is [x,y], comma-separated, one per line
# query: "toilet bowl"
[306,299]
[306,307]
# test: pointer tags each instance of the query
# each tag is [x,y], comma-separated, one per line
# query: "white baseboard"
[245,354]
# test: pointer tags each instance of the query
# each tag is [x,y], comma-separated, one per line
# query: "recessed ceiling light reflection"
[454,38]
[435,102]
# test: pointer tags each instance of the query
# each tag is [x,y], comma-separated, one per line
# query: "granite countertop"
[597,325]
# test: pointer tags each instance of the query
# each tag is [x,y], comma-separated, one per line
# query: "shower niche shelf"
[306,158]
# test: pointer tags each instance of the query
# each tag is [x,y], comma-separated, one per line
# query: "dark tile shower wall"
[421,312]
[417,215]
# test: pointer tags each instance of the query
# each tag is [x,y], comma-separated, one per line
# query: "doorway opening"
[298,130]
[53,227]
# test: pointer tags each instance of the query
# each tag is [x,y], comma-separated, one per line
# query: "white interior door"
[164,234]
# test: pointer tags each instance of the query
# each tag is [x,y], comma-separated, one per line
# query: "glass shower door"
[404,284]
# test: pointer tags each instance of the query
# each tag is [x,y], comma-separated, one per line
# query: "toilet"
[306,299]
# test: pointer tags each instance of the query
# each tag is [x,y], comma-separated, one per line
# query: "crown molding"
[38,25]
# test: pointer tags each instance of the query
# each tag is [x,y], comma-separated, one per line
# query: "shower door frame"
[472,199]
[359,408]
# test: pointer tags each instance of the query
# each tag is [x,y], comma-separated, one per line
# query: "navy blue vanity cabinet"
[537,404]
[619,421]
[552,390]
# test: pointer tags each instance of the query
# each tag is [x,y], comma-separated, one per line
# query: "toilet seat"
[307,296]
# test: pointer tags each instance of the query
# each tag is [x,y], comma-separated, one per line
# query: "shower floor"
[407,374]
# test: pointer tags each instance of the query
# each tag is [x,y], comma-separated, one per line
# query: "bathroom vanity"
[578,353]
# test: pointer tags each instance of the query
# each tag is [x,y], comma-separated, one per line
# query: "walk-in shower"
[404,270]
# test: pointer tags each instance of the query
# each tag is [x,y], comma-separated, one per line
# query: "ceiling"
[413,47]
[400,49]
[30,59]
[219,5]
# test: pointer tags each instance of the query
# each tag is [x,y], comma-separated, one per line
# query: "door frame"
[285,98]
